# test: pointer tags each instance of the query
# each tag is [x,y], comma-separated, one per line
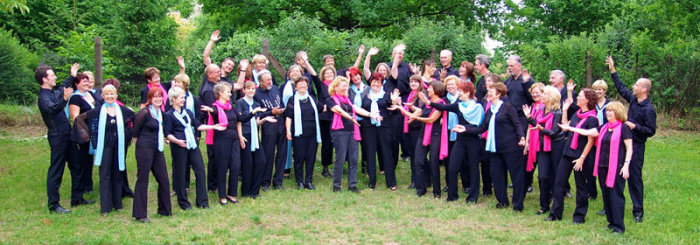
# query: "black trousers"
[60,153]
[635,183]
[591,182]
[562,177]
[409,140]
[396,120]
[252,167]
[486,182]
[80,161]
[149,159]
[528,176]
[228,161]
[111,182]
[345,148]
[304,153]
[463,171]
[465,154]
[212,182]
[271,140]
[613,198]
[378,146]
[431,167]
[326,143]
[548,161]
[181,156]
[511,162]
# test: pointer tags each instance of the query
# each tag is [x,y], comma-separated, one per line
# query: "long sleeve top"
[508,129]
[554,134]
[641,113]
[51,105]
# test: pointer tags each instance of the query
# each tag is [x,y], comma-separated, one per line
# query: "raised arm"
[181,64]
[240,81]
[621,88]
[368,60]
[207,50]
[360,51]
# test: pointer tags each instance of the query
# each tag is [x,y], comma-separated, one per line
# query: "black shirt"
[508,128]
[144,92]
[323,96]
[382,103]
[347,124]
[480,89]
[244,115]
[605,147]
[52,106]
[437,124]
[231,131]
[451,71]
[640,113]
[308,117]
[591,122]
[146,129]
[401,80]
[270,98]
[555,133]
[518,93]
[173,126]
[80,102]
[89,122]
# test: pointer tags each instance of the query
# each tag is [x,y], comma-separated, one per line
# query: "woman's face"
[610,115]
[601,93]
[301,87]
[109,96]
[463,70]
[294,73]
[431,92]
[225,95]
[414,85]
[451,86]
[179,101]
[328,75]
[179,84]
[260,65]
[157,100]
[84,85]
[382,70]
[342,89]
[376,85]
[430,69]
[494,95]
[356,79]
[536,95]
[91,82]
[249,91]
[465,95]
[581,100]
[489,81]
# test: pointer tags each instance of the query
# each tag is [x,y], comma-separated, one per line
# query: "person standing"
[252,155]
[446,68]
[80,164]
[641,119]
[269,96]
[304,131]
[51,103]
[519,84]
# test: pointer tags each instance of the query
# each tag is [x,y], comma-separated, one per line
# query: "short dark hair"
[152,93]
[40,73]
[301,79]
[376,76]
[113,81]
[438,88]
[500,88]
[79,78]
[150,72]
[591,96]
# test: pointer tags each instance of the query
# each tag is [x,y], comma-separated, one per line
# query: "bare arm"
[434,116]
[242,66]
[368,59]
[360,51]
[288,126]
[587,149]
[181,63]
[207,50]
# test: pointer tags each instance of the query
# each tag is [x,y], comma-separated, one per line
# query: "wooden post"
[98,61]
[275,64]
[432,54]
[589,72]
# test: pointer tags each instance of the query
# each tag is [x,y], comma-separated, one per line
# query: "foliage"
[17,82]
[80,48]
[9,6]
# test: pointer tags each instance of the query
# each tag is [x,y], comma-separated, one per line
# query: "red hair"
[152,93]
[467,87]
[354,70]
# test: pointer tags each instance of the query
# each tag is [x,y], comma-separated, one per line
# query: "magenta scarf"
[582,119]
[614,151]
[534,141]
[443,136]
[338,121]
[223,119]
[162,90]
[119,102]
[488,106]
[408,108]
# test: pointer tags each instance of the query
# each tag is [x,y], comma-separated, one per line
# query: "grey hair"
[173,93]
[484,59]
[221,87]
[515,58]
[447,51]
[263,72]
[559,73]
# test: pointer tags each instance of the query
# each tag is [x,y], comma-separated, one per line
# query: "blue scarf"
[600,113]
[491,136]
[156,113]
[255,77]
[297,115]
[254,144]
[374,107]
[82,95]
[452,117]
[357,101]
[189,102]
[287,92]
[186,121]
[101,135]
[472,112]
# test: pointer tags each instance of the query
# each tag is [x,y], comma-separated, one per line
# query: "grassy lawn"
[672,211]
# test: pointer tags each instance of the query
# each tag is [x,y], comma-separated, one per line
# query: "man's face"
[214,74]
[266,81]
[555,80]
[478,66]
[445,59]
[50,78]
[513,67]
[638,88]
[227,66]
[329,62]
[400,55]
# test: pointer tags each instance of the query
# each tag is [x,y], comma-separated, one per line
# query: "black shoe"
[436,196]
[501,205]
[638,219]
[406,159]
[466,190]
[144,220]
[576,222]
[60,210]
[336,189]
[610,226]
[592,198]
[300,186]
[541,212]
[310,186]
[529,189]
[265,188]
[487,194]
[450,200]
[81,202]
[204,207]
[253,197]
[186,208]
[517,210]
[372,187]
[601,212]
[354,189]
[444,189]
[412,186]
[550,218]
[617,231]
[222,203]
[278,187]
[326,173]
[468,202]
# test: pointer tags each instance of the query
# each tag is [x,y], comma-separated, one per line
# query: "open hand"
[215,36]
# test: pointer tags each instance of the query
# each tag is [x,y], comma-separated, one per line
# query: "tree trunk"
[589,71]
[98,61]
[275,64]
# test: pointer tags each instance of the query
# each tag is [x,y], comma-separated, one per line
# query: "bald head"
[213,72]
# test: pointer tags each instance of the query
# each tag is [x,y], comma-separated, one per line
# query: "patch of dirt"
[23,132]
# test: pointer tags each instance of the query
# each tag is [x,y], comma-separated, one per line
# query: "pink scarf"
[408,108]
[488,106]
[119,102]
[223,119]
[338,121]
[582,119]
[534,142]
[162,90]
[614,151]
[443,136]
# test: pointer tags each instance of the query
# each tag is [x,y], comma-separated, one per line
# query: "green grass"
[321,216]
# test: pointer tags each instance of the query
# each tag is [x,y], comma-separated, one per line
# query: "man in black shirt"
[641,119]
[519,84]
[399,74]
[52,102]
[273,135]
[446,63]
[212,75]
[481,65]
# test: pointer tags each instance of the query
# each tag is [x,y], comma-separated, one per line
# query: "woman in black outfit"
[411,128]
[612,160]
[376,136]
[325,115]
[109,128]
[504,142]
[304,131]
[467,146]
[576,154]
[226,143]
[81,157]
[252,154]
[547,141]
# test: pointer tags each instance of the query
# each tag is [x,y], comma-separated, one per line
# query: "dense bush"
[17,64]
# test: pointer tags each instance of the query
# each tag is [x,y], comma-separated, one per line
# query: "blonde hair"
[259,57]
[452,78]
[537,85]
[619,110]
[109,88]
[184,79]
[334,85]
[221,87]
[326,68]
[388,69]
[175,92]
[553,97]
[600,84]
